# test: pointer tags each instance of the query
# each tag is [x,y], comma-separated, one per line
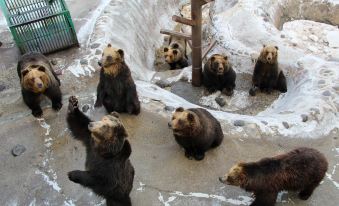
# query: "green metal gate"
[40,25]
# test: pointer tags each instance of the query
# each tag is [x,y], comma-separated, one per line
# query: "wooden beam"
[188,41]
[176,34]
[183,20]
[203,2]
[213,43]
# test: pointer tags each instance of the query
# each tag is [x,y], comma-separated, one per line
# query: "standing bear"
[196,130]
[109,172]
[267,76]
[38,78]
[219,75]
[116,89]
[299,170]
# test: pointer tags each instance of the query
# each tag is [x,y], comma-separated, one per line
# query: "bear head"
[35,79]
[111,60]
[173,53]
[184,122]
[219,64]
[236,176]
[269,54]
[108,135]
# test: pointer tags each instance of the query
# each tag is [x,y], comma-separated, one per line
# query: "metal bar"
[176,34]
[183,20]
[209,48]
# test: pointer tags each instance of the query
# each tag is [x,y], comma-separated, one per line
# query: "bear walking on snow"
[38,78]
[267,75]
[116,89]
[196,130]
[219,75]
[109,172]
[300,170]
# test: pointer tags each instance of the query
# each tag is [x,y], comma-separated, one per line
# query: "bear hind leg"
[265,199]
[54,94]
[306,192]
[199,155]
[126,201]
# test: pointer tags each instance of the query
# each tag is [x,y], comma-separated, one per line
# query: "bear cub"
[299,170]
[38,78]
[116,89]
[109,172]
[196,130]
[267,76]
[219,75]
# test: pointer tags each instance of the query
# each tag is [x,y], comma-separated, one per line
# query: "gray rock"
[2,87]
[169,108]
[286,125]
[264,122]
[85,108]
[282,36]
[239,123]
[221,101]
[163,83]
[95,45]
[304,117]
[98,52]
[321,81]
[84,62]
[327,93]
[18,150]
[336,88]
[54,62]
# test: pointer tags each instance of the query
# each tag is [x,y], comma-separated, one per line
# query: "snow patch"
[166,203]
[44,125]
[49,181]
[79,70]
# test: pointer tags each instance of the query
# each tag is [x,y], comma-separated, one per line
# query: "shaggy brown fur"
[196,130]
[300,170]
[267,75]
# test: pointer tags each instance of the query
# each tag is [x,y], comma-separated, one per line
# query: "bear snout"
[222,180]
[90,125]
[40,85]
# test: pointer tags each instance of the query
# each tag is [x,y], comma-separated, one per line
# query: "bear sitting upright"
[196,130]
[37,78]
[219,75]
[300,170]
[267,75]
[109,172]
[116,89]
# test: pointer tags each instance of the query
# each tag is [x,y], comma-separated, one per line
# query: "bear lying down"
[109,172]
[299,170]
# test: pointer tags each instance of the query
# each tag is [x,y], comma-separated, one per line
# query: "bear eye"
[180,121]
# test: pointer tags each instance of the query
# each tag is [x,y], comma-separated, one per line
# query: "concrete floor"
[163,175]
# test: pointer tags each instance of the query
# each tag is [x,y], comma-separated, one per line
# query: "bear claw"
[37,113]
[57,106]
[73,103]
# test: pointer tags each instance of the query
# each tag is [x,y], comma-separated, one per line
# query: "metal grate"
[40,25]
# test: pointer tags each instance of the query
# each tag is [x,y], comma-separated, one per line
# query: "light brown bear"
[267,76]
[196,130]
[299,170]
[38,78]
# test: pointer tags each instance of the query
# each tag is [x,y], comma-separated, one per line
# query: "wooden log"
[213,43]
[182,20]
[176,34]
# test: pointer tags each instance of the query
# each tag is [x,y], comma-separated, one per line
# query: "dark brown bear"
[38,78]
[196,130]
[116,89]
[300,170]
[219,75]
[109,172]
[175,56]
[267,76]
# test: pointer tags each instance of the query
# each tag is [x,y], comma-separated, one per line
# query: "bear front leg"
[100,94]
[265,199]
[199,155]
[82,177]
[32,100]
[188,153]
[228,91]
[307,192]
[132,101]
[54,94]
[126,150]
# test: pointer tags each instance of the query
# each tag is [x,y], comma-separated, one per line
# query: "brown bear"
[38,78]
[267,75]
[196,130]
[300,170]
[116,89]
[109,172]
[219,75]
[175,53]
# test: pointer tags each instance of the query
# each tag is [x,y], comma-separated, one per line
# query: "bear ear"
[175,46]
[121,52]
[277,47]
[42,68]
[166,49]
[24,72]
[264,45]
[190,117]
[175,52]
[109,45]
[115,114]
[179,109]
[99,63]
[212,58]
[226,58]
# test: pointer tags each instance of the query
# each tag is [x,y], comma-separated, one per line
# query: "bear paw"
[98,104]
[57,106]
[73,103]
[199,157]
[253,91]
[74,176]
[228,92]
[37,113]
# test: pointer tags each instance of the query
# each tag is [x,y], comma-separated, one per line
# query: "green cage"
[40,25]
